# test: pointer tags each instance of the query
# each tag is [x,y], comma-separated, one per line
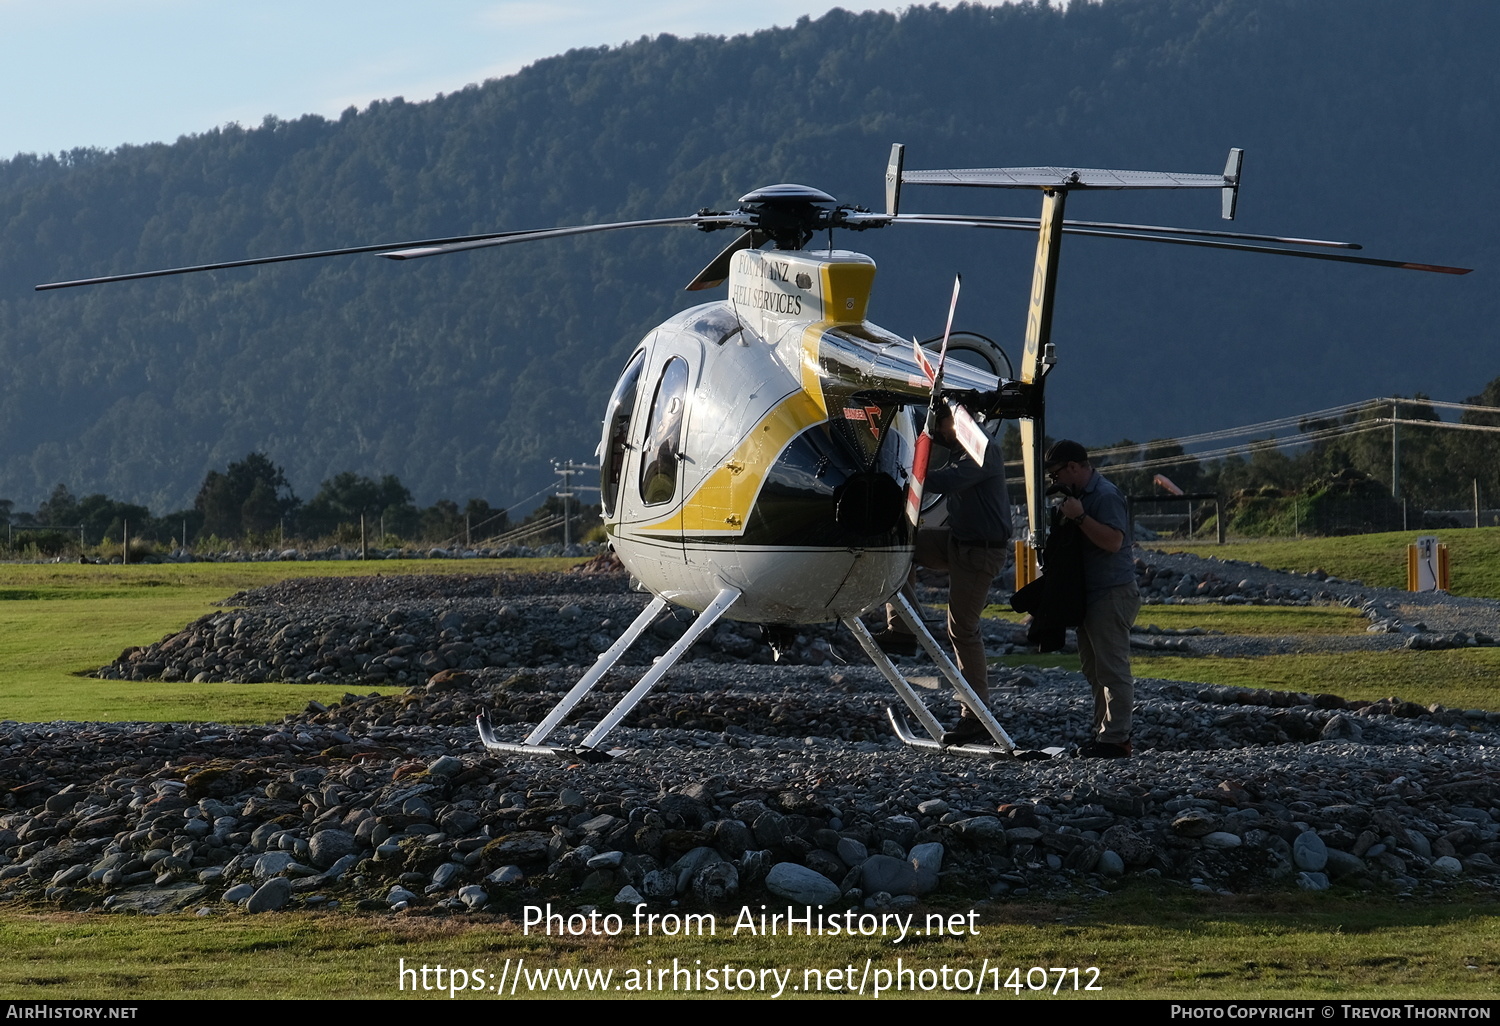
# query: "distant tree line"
[251,502]
[470,373]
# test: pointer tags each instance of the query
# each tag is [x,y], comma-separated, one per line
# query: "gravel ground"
[735,781]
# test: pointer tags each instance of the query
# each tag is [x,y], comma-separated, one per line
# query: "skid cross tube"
[905,735]
[891,673]
[966,694]
[601,666]
[706,619]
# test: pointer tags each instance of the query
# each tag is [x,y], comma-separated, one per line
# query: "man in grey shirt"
[1111,599]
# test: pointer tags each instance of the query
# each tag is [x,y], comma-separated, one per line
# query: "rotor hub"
[789,214]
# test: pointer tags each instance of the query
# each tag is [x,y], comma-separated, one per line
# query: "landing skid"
[905,735]
[588,749]
[494,744]
[1003,746]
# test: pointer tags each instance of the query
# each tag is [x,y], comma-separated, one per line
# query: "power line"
[1298,421]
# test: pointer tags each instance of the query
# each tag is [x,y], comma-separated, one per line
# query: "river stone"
[1309,852]
[1448,865]
[801,885]
[982,829]
[685,868]
[272,863]
[716,884]
[1312,881]
[272,895]
[1342,728]
[1133,849]
[1342,864]
[885,873]
[1110,863]
[1221,839]
[473,896]
[153,900]
[733,837]
[524,847]
[1193,823]
[341,867]
[853,852]
[926,860]
[659,884]
[606,860]
[445,766]
[239,892]
[328,846]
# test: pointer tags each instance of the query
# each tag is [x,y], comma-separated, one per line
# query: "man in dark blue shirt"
[1111,598]
[972,546]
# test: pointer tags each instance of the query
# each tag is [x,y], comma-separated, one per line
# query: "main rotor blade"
[717,270]
[413,252]
[1031,222]
[395,250]
[959,220]
[256,261]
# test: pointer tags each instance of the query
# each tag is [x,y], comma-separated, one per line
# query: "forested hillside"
[1365,119]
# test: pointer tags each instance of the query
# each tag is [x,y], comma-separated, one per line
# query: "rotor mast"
[1038,358]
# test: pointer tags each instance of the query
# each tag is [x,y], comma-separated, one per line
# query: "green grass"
[1258,621]
[1376,559]
[1147,942]
[1456,678]
[58,621]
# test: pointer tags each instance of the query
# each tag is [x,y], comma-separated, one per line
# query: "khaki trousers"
[1104,649]
[971,571]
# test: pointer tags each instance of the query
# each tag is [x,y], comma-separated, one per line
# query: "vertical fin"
[1232,183]
[893,179]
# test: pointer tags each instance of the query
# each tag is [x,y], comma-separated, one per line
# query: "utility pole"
[1395,450]
[566,470]
[565,493]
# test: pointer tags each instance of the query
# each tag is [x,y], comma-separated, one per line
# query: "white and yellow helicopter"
[761,459]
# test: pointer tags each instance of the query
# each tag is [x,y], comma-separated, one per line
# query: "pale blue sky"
[105,72]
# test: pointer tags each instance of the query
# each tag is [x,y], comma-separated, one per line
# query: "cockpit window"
[717,322]
[617,432]
[664,434]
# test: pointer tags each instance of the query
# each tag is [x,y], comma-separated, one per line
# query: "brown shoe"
[968,731]
[893,642]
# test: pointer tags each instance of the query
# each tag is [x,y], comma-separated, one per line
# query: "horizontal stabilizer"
[1062,178]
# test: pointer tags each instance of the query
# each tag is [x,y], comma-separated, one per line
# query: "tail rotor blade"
[923,452]
[970,435]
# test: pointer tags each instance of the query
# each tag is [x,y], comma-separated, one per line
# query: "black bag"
[1055,600]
